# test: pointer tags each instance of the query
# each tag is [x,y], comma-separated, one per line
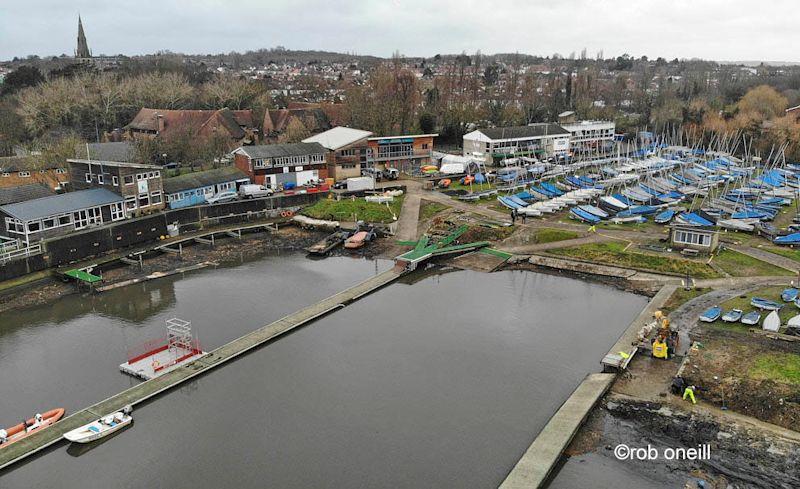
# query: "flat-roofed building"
[590,136]
[495,144]
[405,153]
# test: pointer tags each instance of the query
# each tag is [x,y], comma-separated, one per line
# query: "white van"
[254,191]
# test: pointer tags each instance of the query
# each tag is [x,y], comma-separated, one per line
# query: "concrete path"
[535,466]
[409,213]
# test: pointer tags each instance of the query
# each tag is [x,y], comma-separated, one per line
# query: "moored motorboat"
[711,314]
[30,426]
[732,316]
[101,427]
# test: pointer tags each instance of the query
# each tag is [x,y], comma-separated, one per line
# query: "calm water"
[442,383]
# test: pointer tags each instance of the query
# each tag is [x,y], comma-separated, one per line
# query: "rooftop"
[123,164]
[522,132]
[338,137]
[381,138]
[60,204]
[21,193]
[280,150]
[122,151]
[201,179]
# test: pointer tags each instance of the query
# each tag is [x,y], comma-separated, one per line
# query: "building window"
[88,178]
[64,219]
[155,198]
[144,200]
[24,174]
[348,152]
[128,179]
[100,179]
[115,181]
[34,226]
[61,170]
[117,211]
[130,203]
[81,219]
[6,174]
[14,225]
[424,145]
[49,223]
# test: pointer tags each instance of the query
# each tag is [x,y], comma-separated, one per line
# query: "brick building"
[348,151]
[274,165]
[405,153]
[139,185]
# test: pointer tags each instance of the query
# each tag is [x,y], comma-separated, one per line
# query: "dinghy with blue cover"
[612,204]
[517,200]
[664,217]
[638,210]
[509,203]
[732,316]
[551,188]
[765,304]
[789,239]
[584,216]
[712,314]
[751,318]
[789,294]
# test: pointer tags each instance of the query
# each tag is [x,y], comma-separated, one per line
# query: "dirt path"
[409,213]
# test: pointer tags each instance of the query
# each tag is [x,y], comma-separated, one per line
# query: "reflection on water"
[443,383]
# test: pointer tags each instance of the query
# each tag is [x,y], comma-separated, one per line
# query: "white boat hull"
[86,435]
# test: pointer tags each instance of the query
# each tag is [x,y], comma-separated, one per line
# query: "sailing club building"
[273,165]
[542,141]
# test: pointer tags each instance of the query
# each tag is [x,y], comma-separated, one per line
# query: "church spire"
[83,47]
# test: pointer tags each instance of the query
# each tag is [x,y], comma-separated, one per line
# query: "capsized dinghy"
[102,427]
[772,322]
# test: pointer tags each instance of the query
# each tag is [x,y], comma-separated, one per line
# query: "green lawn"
[791,253]
[740,265]
[551,235]
[612,253]
[682,296]
[476,187]
[780,367]
[354,210]
[429,209]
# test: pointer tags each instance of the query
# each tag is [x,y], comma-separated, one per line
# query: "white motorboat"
[102,427]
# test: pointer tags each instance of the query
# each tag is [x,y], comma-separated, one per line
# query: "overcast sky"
[710,29]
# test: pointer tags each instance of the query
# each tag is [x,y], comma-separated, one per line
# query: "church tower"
[83,47]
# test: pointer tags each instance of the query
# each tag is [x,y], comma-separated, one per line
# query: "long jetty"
[225,353]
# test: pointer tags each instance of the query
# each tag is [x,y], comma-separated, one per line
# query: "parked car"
[254,191]
[391,174]
[372,172]
[342,184]
[227,196]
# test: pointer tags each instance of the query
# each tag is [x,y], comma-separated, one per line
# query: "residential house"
[236,127]
[275,165]
[45,217]
[193,188]
[406,153]
[348,148]
[543,141]
[277,120]
[25,170]
[139,185]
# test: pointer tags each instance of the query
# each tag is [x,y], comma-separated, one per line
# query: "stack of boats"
[686,188]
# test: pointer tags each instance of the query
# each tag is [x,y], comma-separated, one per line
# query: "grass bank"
[780,367]
[429,209]
[740,265]
[355,210]
[552,235]
[614,253]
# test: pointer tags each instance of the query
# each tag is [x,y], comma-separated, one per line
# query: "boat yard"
[482,235]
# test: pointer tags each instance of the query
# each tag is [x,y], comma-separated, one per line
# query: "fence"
[15,251]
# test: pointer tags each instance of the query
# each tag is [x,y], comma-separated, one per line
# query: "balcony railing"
[399,155]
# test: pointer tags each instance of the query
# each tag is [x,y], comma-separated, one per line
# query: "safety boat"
[102,427]
[711,314]
[29,427]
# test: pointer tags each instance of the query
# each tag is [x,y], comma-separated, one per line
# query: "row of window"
[79,219]
[127,179]
[688,237]
[25,174]
[143,200]
[205,191]
[290,161]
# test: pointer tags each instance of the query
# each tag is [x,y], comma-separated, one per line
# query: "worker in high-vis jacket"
[689,392]
[660,348]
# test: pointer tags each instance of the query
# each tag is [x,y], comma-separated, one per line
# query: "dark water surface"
[443,383]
